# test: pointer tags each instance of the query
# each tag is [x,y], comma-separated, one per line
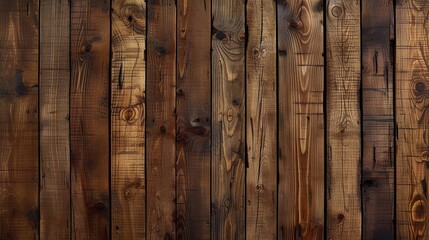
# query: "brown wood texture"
[161,119]
[193,120]
[19,32]
[412,74]
[261,120]
[343,115]
[301,123]
[128,119]
[54,89]
[377,120]
[89,119]
[228,119]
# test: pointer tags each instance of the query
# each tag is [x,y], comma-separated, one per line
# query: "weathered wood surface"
[161,119]
[89,119]
[128,19]
[193,122]
[261,121]
[412,74]
[377,120]
[228,119]
[54,89]
[343,75]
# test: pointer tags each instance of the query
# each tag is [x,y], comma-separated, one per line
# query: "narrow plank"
[261,120]
[377,120]
[412,75]
[343,73]
[228,119]
[89,118]
[19,178]
[301,123]
[193,120]
[128,20]
[55,216]
[161,119]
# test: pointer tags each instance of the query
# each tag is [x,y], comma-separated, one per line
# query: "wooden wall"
[220,119]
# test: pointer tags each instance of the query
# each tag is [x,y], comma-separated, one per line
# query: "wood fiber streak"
[412,91]
[161,120]
[19,207]
[261,121]
[343,72]
[377,120]
[128,119]
[228,114]
[89,118]
[54,90]
[193,120]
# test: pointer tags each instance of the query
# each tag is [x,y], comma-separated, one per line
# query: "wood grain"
[161,119]
[228,119]
[412,84]
[89,119]
[377,119]
[301,123]
[261,121]
[193,120]
[343,73]
[19,206]
[128,119]
[55,216]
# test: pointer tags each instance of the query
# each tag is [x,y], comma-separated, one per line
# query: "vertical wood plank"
[19,207]
[193,120]
[161,119]
[128,21]
[412,84]
[343,119]
[377,119]
[228,134]
[55,216]
[261,120]
[301,124]
[89,119]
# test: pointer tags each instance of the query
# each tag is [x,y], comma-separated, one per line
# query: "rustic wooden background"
[214,119]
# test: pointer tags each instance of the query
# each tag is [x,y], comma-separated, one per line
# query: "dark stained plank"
[412,87]
[128,119]
[343,73]
[261,121]
[19,157]
[89,118]
[55,216]
[301,123]
[228,119]
[161,119]
[377,120]
[193,120]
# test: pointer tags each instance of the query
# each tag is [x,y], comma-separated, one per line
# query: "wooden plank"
[161,119]
[55,216]
[377,120]
[19,207]
[128,119]
[89,118]
[261,121]
[412,74]
[343,74]
[228,134]
[193,120]
[301,123]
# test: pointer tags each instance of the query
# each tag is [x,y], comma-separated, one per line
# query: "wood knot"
[295,24]
[340,217]
[236,102]
[162,129]
[336,11]
[227,203]
[87,48]
[230,115]
[259,188]
[161,50]
[419,88]
[220,36]
[418,209]
[129,115]
[180,92]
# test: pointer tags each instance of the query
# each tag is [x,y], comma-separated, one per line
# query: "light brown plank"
[55,216]
[193,120]
[19,178]
[89,106]
[343,74]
